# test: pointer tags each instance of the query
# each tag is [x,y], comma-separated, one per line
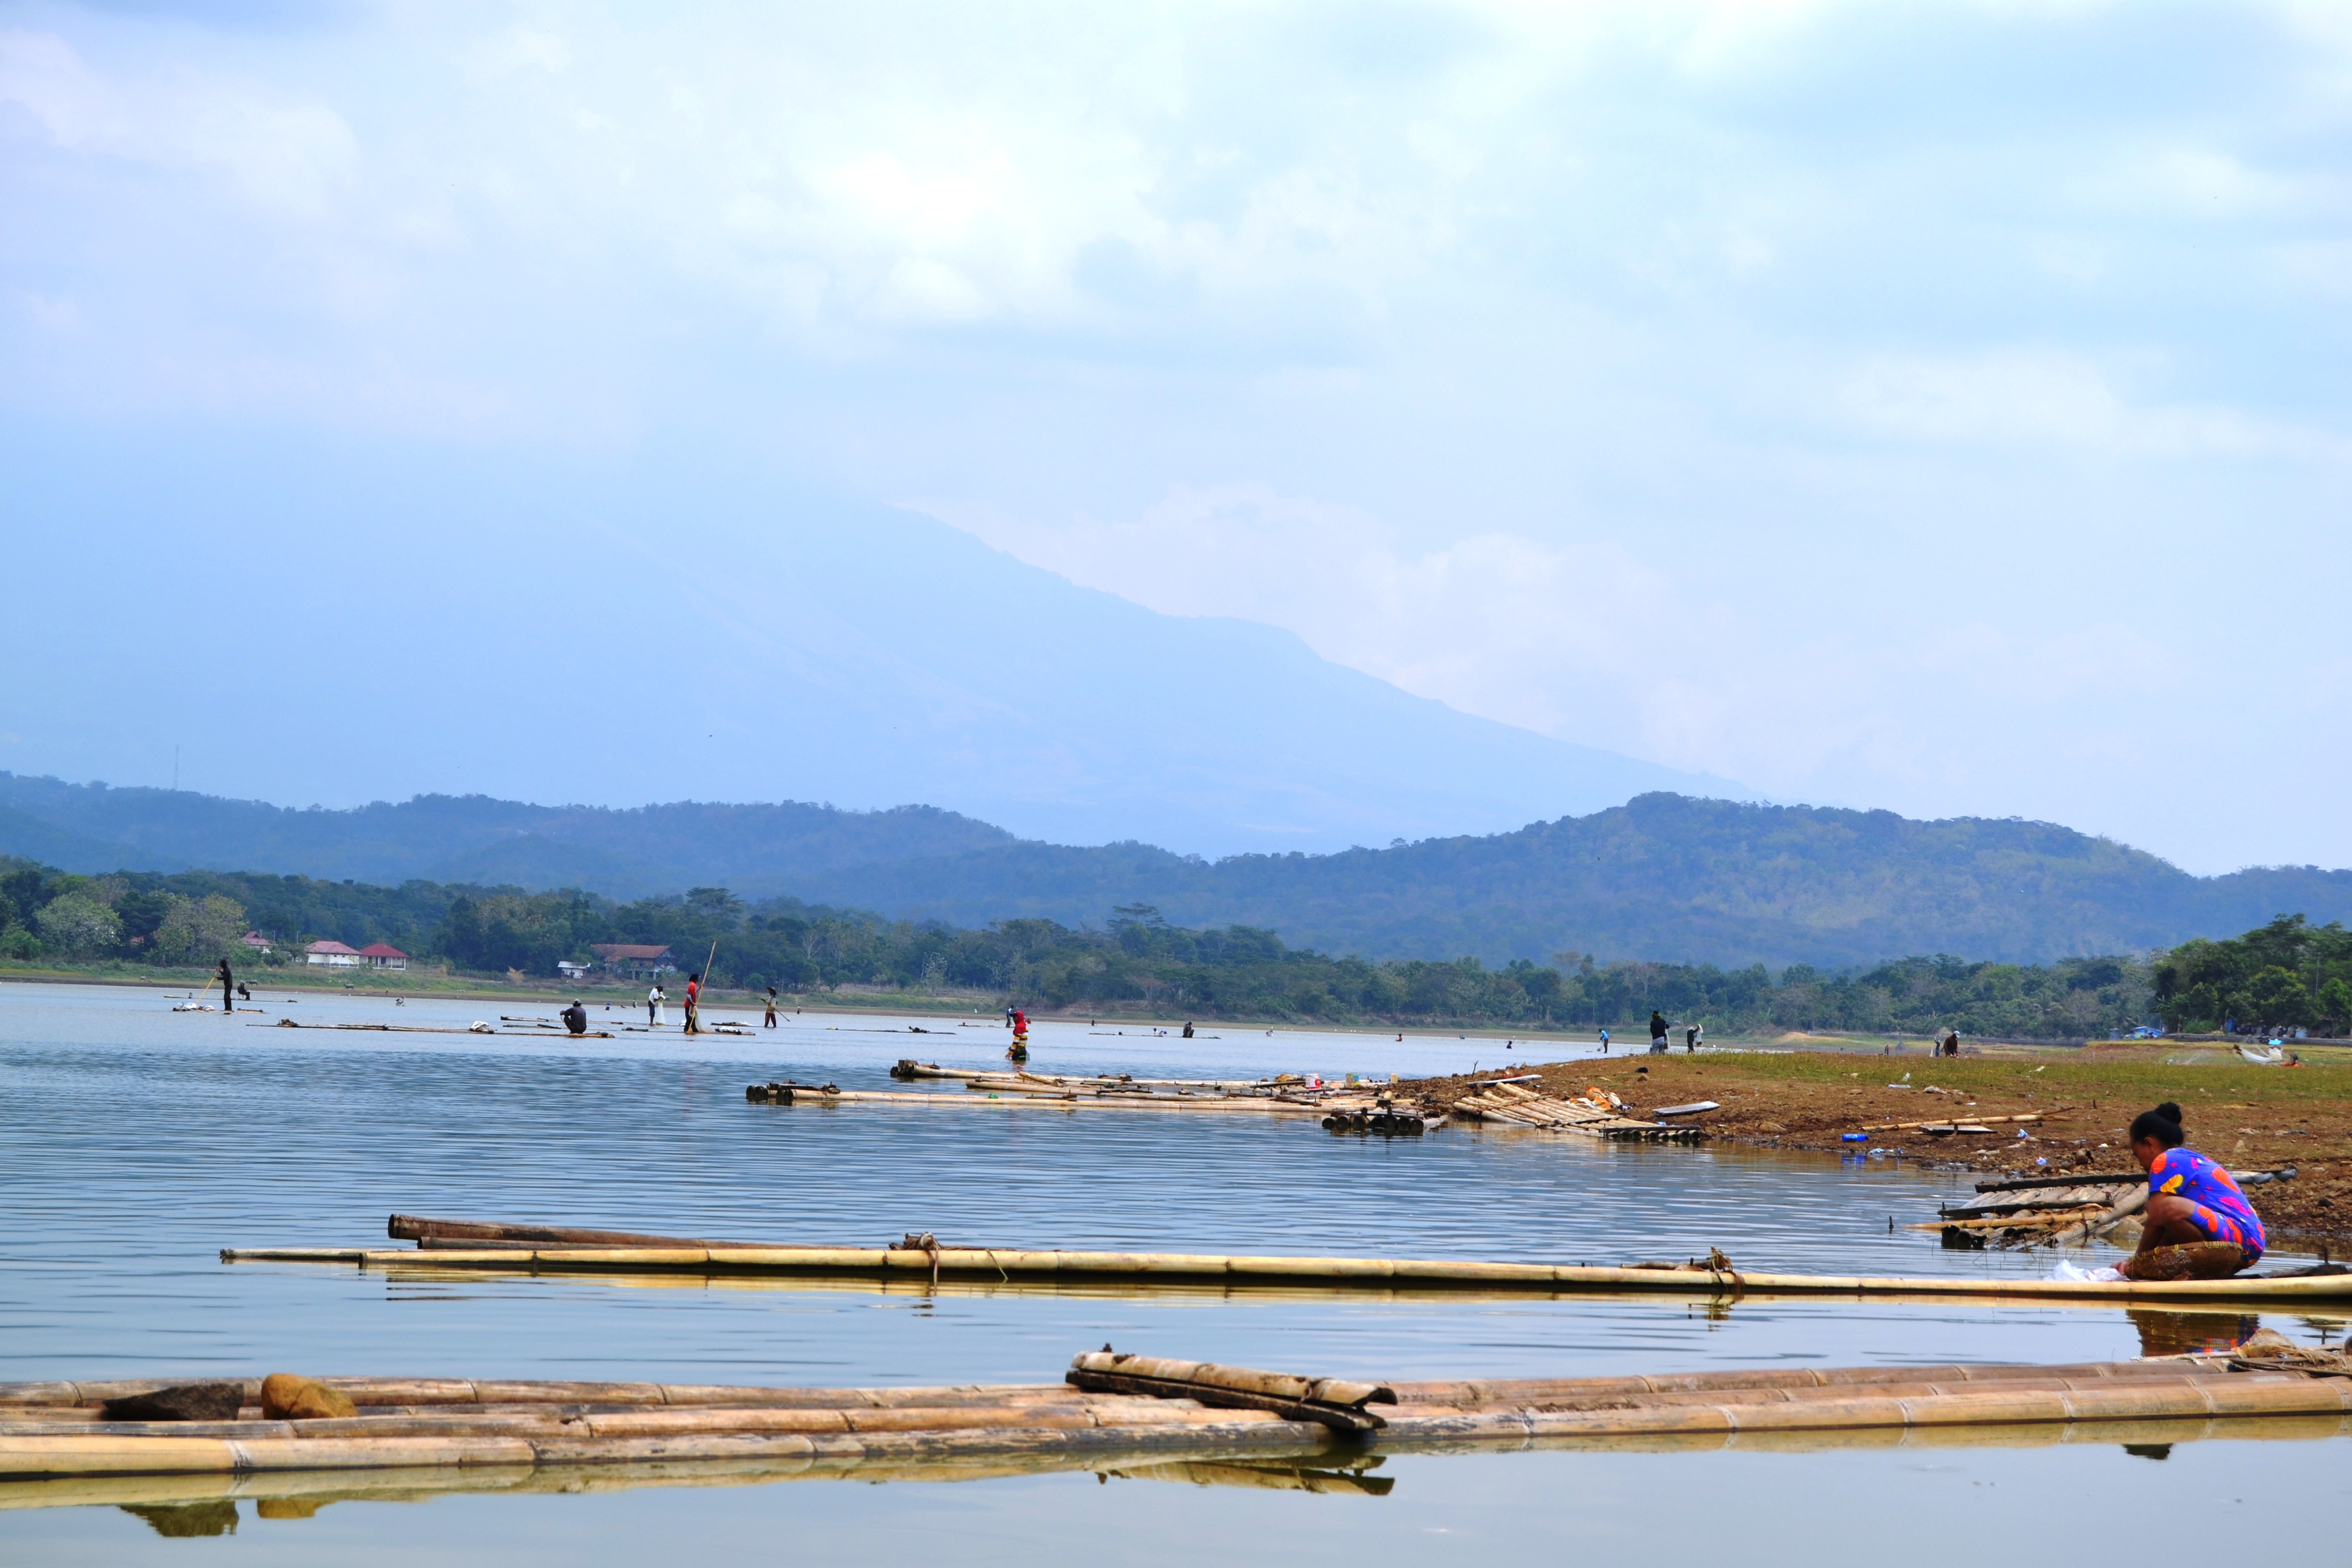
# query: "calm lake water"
[135,1143]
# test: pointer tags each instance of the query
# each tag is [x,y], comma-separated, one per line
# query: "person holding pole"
[228,1002]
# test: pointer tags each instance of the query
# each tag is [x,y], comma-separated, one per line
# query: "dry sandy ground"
[2251,1117]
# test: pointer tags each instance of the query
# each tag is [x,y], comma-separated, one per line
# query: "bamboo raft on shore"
[2057,1211]
[920,1256]
[1513,1104]
[61,1444]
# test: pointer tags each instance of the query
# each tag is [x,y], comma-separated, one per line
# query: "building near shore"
[332,956]
[633,961]
[383,955]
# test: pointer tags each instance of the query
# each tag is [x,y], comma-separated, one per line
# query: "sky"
[1935,407]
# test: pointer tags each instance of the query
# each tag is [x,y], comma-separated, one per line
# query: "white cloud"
[284,155]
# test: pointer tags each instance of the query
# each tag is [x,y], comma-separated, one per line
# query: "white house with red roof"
[383,955]
[334,955]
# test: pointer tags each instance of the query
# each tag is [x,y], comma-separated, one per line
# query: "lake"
[139,1142]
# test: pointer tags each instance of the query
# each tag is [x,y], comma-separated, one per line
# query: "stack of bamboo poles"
[1114,1410]
[1517,1105]
[2057,1211]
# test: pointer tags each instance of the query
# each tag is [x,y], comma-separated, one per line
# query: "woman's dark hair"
[2163,1124]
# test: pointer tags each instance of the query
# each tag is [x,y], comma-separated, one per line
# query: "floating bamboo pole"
[1008,1264]
[1058,1099]
[777,1431]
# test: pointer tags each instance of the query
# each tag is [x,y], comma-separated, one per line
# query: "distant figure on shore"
[654,1000]
[228,1003]
[575,1017]
[1657,1033]
[1691,1038]
[693,1003]
[771,1009]
[1951,1044]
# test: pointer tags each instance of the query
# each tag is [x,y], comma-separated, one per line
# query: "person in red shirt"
[693,1003]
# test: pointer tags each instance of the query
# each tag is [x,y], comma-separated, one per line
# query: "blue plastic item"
[1854,1137]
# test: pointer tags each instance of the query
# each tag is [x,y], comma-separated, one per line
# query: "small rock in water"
[287,1397]
[183,1402]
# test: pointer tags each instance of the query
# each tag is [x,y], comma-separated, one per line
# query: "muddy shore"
[2249,1117]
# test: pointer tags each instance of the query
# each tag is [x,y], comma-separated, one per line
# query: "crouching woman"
[2197,1225]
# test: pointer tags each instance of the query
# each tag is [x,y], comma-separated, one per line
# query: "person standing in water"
[693,1003]
[771,1009]
[653,999]
[1604,1041]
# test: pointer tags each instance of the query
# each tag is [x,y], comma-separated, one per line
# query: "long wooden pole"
[990,1265]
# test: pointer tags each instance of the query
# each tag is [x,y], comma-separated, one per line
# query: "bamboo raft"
[1596,1114]
[1111,1414]
[2056,1211]
[553,1250]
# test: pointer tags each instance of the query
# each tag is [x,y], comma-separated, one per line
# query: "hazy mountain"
[359,628]
[1663,877]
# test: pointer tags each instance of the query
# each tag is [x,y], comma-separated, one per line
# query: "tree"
[2335,1004]
[198,931]
[77,925]
[2278,997]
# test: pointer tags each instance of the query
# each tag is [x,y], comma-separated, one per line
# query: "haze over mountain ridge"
[1663,877]
[667,625]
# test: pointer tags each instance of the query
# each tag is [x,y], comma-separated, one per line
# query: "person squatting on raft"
[2197,1225]
[575,1017]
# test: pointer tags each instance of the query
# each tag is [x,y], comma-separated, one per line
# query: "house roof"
[330,947]
[609,951]
[381,950]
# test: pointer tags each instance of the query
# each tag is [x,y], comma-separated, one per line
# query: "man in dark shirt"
[575,1017]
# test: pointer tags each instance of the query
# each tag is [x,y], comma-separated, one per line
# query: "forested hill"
[1663,877]
[91,828]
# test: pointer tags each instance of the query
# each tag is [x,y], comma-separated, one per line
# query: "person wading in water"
[693,1003]
[771,1009]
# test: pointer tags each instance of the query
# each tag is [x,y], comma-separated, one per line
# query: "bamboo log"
[1264,1104]
[1971,1120]
[1008,1264]
[413,1227]
[2105,1220]
[1058,1426]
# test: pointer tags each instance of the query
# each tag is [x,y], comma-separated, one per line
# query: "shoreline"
[2247,1117]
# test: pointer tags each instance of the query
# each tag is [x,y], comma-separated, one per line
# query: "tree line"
[1139,961]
